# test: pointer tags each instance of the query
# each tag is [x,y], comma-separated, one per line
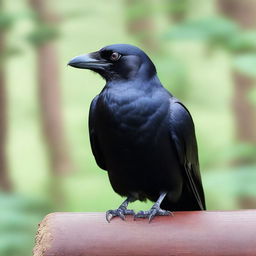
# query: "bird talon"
[154,211]
[150,218]
[130,212]
[141,214]
[152,215]
[120,212]
[109,216]
[122,216]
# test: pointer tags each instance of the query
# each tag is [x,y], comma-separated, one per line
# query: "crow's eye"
[115,56]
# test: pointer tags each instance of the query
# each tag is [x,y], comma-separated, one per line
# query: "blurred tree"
[244,14]
[49,85]
[177,10]
[235,33]
[5,182]
[140,24]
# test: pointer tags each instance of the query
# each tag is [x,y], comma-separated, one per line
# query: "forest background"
[205,54]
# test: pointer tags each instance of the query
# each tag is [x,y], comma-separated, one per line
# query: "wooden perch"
[187,233]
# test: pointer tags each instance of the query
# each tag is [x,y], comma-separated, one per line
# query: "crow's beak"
[88,61]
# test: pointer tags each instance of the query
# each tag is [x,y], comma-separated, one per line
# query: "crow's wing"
[93,137]
[183,135]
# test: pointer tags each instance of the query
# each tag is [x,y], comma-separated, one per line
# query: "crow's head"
[117,62]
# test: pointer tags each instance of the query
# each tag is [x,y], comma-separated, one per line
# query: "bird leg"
[155,210]
[121,211]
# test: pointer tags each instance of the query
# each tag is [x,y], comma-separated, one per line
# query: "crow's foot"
[120,212]
[154,211]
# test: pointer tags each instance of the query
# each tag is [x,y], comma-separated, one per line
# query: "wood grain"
[187,233]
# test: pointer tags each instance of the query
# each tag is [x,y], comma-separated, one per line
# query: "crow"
[142,135]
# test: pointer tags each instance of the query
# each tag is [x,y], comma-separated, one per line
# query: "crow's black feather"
[142,135]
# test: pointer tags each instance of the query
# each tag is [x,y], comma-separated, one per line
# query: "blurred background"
[205,53]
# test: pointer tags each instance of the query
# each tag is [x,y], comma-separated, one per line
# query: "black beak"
[89,61]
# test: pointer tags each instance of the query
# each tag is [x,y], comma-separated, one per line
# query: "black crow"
[141,134]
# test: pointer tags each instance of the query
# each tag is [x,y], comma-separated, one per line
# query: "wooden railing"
[186,233]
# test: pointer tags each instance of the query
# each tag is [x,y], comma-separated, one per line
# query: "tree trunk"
[5,182]
[50,101]
[244,14]
[244,110]
[177,10]
[140,23]
[49,93]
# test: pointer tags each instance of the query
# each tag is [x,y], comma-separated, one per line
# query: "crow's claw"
[154,211]
[120,212]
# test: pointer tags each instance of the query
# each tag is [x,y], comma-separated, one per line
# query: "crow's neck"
[134,84]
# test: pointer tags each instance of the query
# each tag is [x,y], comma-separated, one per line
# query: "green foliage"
[177,82]
[18,220]
[245,181]
[139,9]
[15,244]
[239,151]
[6,20]
[177,9]
[246,64]
[43,33]
[225,185]
[9,52]
[74,14]
[243,151]
[223,33]
[177,6]
[212,29]
[216,31]
[252,96]
[244,41]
